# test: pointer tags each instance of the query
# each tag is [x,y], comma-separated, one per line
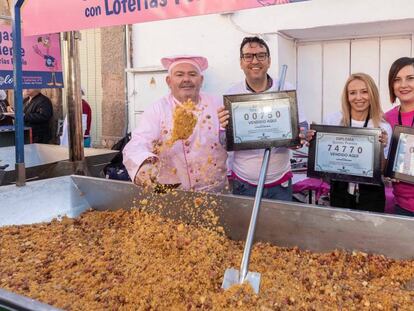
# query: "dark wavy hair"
[395,68]
[249,40]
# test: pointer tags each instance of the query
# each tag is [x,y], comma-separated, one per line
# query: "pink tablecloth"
[319,186]
[322,188]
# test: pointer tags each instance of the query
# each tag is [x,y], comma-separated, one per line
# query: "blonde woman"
[360,102]
[360,108]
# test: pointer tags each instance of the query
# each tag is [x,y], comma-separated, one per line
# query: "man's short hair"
[249,40]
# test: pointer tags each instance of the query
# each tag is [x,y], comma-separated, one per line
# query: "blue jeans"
[398,210]
[275,193]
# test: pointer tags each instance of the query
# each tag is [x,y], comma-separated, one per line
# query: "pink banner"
[41,58]
[49,16]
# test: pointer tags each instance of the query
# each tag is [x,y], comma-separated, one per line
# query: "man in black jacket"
[38,111]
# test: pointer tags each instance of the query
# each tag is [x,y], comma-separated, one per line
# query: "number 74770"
[344,148]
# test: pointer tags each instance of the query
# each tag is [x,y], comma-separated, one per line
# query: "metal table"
[283,224]
[7,135]
[46,161]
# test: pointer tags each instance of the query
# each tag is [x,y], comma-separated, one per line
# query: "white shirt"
[246,164]
[64,138]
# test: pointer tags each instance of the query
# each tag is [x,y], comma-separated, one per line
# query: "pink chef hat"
[199,62]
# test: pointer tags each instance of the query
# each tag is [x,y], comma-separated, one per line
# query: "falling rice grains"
[184,121]
[134,260]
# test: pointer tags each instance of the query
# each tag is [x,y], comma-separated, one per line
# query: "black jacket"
[37,114]
[5,120]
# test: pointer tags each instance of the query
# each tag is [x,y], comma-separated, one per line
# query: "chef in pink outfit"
[197,163]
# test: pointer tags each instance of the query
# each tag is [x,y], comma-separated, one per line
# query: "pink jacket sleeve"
[140,147]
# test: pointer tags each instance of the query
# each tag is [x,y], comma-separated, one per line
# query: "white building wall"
[319,13]
[315,39]
[324,66]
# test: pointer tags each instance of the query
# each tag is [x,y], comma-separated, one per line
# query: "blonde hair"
[375,111]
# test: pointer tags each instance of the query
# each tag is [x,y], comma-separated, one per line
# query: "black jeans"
[371,197]
[402,211]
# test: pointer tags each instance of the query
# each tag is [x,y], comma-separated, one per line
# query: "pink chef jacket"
[198,163]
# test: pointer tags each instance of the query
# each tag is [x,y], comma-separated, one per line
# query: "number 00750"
[261,115]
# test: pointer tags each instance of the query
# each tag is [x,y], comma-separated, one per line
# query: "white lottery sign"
[345,154]
[261,120]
